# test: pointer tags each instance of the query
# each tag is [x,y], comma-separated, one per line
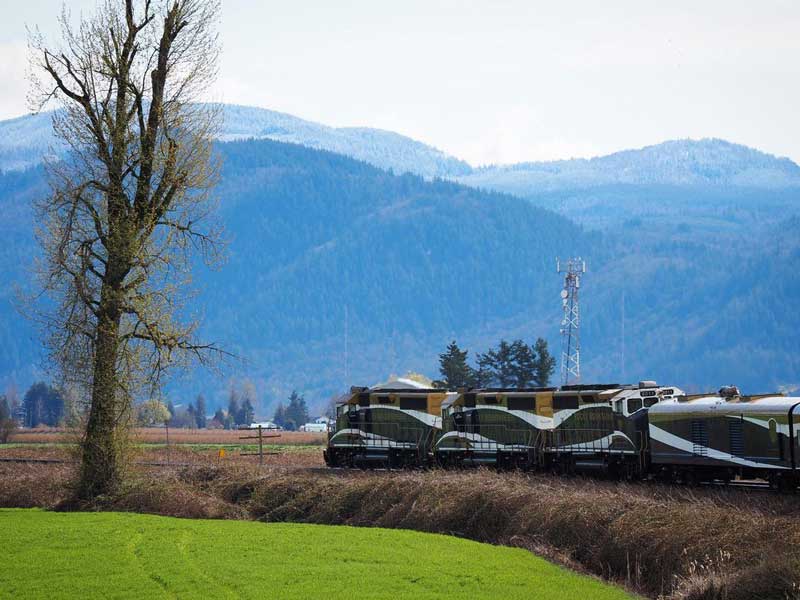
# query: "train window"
[773,431]
[648,402]
[565,402]
[384,400]
[634,404]
[414,403]
[490,399]
[525,403]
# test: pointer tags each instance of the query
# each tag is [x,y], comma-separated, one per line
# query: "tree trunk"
[102,460]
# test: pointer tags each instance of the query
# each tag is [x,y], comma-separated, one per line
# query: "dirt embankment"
[659,541]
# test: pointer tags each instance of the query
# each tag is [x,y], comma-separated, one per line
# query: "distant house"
[322,421]
[315,427]
[264,425]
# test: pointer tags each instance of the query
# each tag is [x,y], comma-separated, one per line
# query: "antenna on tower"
[570,323]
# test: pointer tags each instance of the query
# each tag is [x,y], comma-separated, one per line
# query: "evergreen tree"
[233,416]
[247,413]
[7,422]
[296,412]
[484,375]
[43,405]
[503,364]
[545,363]
[173,414]
[200,412]
[279,418]
[230,421]
[248,394]
[219,416]
[192,416]
[454,369]
[523,358]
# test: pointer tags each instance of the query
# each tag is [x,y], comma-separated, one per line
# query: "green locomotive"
[625,431]
[391,425]
[572,428]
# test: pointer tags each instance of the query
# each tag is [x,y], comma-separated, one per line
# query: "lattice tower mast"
[571,321]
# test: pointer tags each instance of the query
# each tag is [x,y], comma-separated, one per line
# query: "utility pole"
[622,340]
[570,322]
[346,358]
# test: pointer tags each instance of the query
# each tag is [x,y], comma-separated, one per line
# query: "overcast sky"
[500,80]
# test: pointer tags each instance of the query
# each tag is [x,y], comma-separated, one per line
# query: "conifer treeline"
[509,365]
[294,414]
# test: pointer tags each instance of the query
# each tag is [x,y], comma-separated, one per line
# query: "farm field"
[157,435]
[195,447]
[123,555]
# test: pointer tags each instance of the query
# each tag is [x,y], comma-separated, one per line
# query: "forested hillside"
[324,248]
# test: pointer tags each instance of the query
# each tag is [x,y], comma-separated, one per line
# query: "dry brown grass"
[660,541]
[34,485]
[157,435]
[289,455]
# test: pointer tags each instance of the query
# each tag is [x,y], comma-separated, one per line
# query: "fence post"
[260,448]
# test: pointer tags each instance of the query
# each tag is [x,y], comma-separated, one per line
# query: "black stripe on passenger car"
[792,441]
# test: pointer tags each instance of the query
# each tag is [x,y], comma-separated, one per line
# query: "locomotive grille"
[735,437]
[699,438]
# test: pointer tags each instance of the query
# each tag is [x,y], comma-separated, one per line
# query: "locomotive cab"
[389,425]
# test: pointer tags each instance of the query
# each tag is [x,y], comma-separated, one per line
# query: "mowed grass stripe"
[126,555]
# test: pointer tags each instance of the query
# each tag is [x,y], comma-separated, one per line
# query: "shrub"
[7,427]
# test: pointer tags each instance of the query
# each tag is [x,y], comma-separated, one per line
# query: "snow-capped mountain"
[679,162]
[707,162]
[25,140]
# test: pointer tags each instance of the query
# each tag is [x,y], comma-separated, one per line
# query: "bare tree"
[128,205]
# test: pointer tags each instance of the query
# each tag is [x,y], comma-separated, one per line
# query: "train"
[630,431]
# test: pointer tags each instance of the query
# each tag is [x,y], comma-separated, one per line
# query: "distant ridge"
[688,162]
[25,140]
[705,162]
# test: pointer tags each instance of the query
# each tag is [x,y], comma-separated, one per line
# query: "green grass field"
[124,555]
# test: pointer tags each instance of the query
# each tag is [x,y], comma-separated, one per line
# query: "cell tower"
[570,324]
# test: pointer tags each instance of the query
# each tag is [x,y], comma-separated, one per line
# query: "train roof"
[403,390]
[401,384]
[499,390]
[764,403]
[586,387]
